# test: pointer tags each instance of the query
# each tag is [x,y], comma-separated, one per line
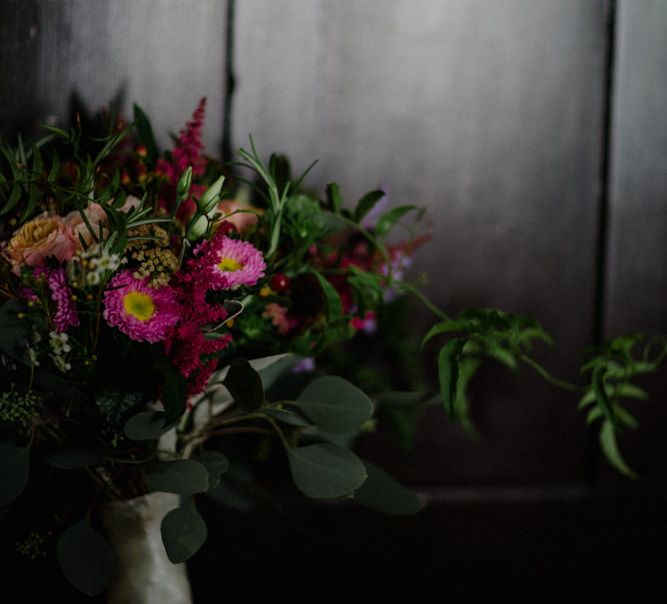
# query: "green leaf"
[145,132]
[272,368]
[245,385]
[183,533]
[611,451]
[86,558]
[71,459]
[334,198]
[449,326]
[147,425]
[286,417]
[114,404]
[601,397]
[388,219]
[335,405]
[14,196]
[367,203]
[448,373]
[383,493]
[215,463]
[326,471]
[14,471]
[332,299]
[184,476]
[175,391]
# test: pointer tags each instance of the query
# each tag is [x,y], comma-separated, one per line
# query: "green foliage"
[147,425]
[86,558]
[612,368]
[326,470]
[115,404]
[477,334]
[73,459]
[215,463]
[245,385]
[335,405]
[184,476]
[183,532]
[382,493]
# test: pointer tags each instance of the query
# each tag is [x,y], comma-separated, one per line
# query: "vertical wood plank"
[637,269]
[163,54]
[487,113]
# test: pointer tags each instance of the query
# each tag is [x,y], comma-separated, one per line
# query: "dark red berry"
[279,283]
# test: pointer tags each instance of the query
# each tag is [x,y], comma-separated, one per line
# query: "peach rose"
[95,215]
[242,220]
[38,239]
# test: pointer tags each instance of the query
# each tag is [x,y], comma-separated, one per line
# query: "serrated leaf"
[332,299]
[388,219]
[71,459]
[14,471]
[147,425]
[383,493]
[86,558]
[184,476]
[611,451]
[600,392]
[448,373]
[449,326]
[335,405]
[215,463]
[245,385]
[145,132]
[334,197]
[367,203]
[326,471]
[183,533]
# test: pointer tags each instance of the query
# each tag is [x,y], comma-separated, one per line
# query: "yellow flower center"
[229,265]
[139,305]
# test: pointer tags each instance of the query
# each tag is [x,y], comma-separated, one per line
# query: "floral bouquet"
[158,308]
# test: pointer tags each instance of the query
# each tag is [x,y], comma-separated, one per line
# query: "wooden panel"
[488,113]
[637,269]
[162,54]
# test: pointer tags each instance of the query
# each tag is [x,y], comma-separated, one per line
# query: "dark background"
[533,131]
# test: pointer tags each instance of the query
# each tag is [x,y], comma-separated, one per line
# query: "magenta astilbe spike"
[188,149]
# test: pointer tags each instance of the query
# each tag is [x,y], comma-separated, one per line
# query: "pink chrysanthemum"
[228,263]
[143,313]
[65,315]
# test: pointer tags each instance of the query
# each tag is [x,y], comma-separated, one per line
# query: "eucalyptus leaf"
[326,471]
[383,493]
[245,385]
[14,471]
[334,404]
[147,425]
[215,463]
[174,397]
[183,532]
[86,558]
[184,476]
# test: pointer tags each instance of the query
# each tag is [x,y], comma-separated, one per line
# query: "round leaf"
[215,463]
[335,405]
[86,558]
[382,493]
[245,385]
[326,471]
[184,476]
[183,532]
[147,425]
